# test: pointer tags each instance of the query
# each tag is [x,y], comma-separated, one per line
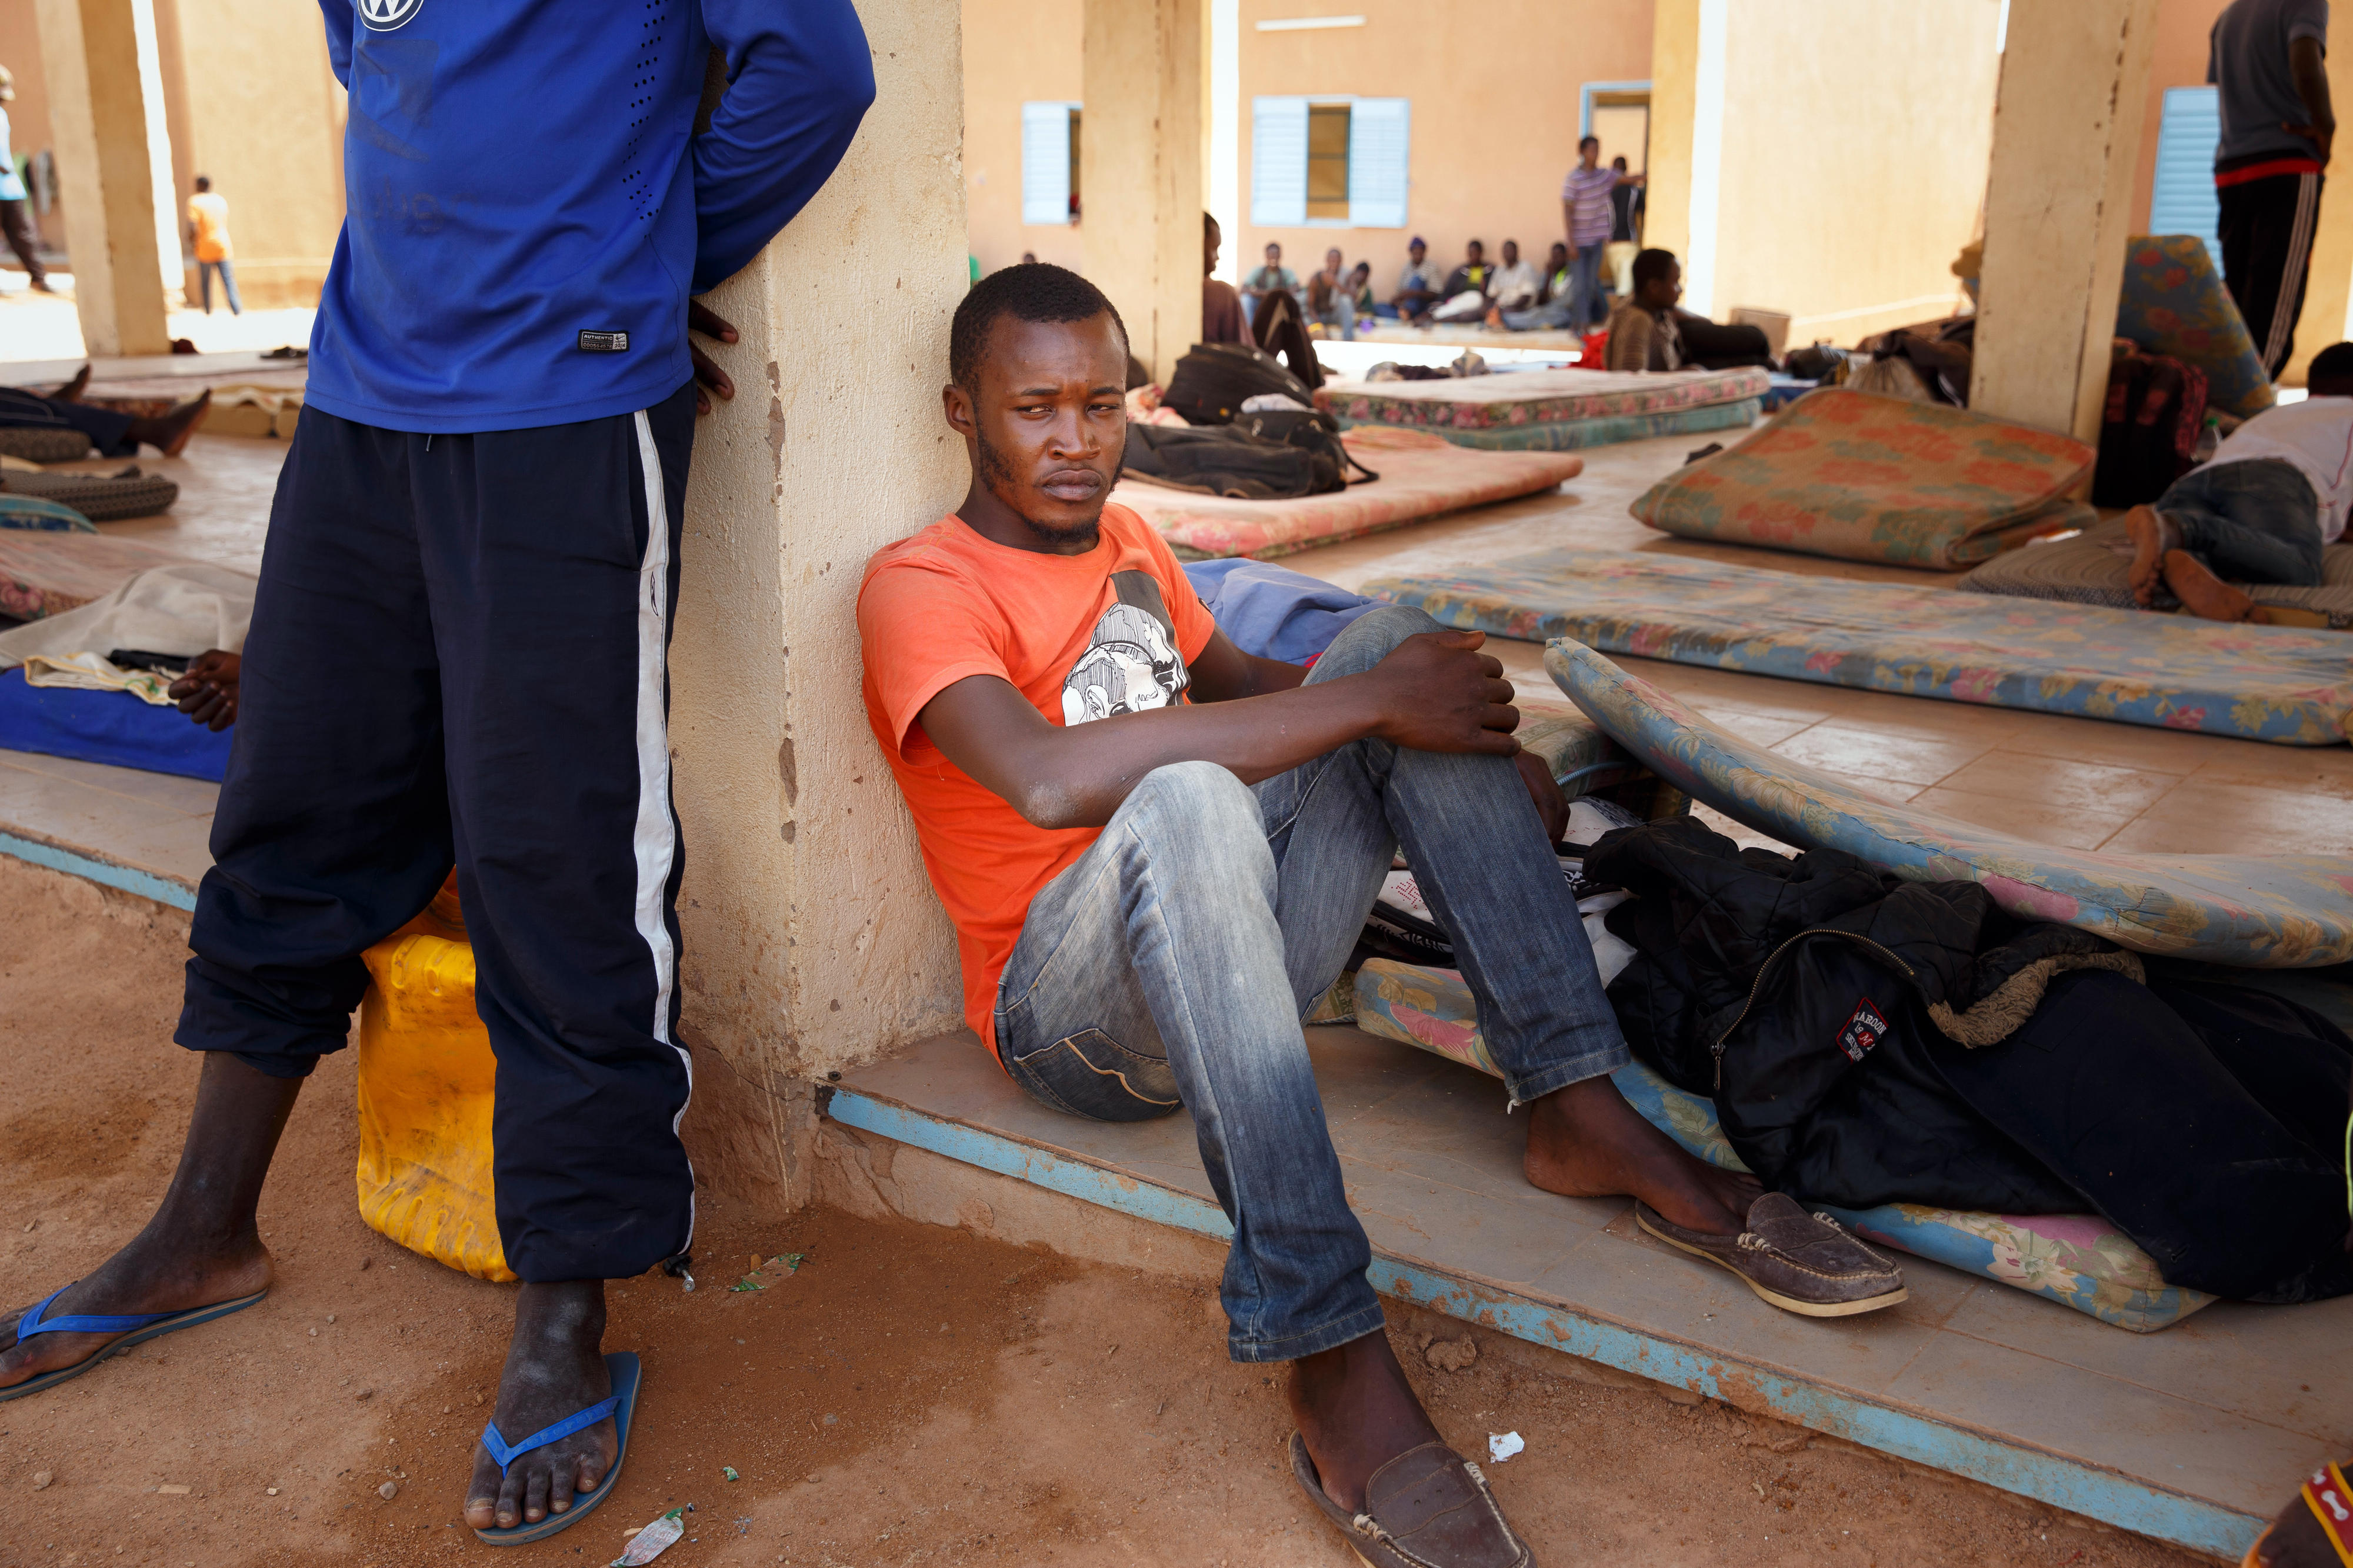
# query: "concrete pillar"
[106,111]
[812,937]
[2066,138]
[2327,314]
[1140,175]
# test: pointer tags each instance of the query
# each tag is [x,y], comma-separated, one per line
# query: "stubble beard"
[996,475]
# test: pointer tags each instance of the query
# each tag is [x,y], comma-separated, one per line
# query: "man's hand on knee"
[1436,693]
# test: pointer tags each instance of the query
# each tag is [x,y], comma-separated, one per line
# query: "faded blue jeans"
[1172,963]
[2251,521]
[1585,285]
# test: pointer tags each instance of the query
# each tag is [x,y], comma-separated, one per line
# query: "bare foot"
[1357,1412]
[2147,531]
[154,1274]
[556,1368]
[72,391]
[1586,1141]
[2296,1539]
[2201,593]
[201,1247]
[170,434]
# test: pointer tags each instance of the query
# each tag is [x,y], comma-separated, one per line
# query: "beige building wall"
[249,99]
[1801,174]
[1496,97]
[256,107]
[28,116]
[1014,52]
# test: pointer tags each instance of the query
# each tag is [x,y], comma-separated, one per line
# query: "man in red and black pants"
[2267,61]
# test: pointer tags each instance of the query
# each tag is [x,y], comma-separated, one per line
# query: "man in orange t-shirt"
[1158,852]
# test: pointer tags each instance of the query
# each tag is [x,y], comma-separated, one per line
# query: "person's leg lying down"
[2226,523]
[1158,852]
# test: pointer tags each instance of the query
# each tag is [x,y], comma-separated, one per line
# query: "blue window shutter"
[2181,197]
[1278,160]
[1380,149]
[1045,163]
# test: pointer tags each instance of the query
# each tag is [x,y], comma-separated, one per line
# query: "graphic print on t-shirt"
[1131,663]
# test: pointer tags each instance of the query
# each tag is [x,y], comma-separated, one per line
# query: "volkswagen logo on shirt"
[384,16]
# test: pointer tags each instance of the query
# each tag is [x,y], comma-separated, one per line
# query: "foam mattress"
[2286,685]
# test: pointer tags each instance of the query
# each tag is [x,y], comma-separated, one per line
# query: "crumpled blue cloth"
[1274,612]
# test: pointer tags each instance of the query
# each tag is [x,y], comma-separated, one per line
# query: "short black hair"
[1585,142]
[2334,363]
[1472,245]
[1032,291]
[1650,265]
[204,181]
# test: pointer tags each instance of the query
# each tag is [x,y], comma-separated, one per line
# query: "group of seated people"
[1647,329]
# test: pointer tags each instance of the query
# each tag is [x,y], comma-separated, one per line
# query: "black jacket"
[1870,1040]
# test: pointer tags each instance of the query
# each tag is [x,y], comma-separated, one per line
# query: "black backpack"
[1311,428]
[1226,460]
[1214,380]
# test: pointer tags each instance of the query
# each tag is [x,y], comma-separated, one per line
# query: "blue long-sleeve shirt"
[528,206]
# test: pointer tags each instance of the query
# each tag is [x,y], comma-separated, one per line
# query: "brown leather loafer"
[1805,1263]
[1427,1508]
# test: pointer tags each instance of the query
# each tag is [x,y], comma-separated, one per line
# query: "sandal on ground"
[623,1368]
[1427,1508]
[2314,1531]
[1802,1263]
[136,1327]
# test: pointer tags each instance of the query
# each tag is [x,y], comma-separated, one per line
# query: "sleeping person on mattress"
[1158,852]
[2259,510]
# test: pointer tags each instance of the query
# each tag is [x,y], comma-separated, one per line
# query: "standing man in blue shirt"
[2267,59]
[15,208]
[459,657]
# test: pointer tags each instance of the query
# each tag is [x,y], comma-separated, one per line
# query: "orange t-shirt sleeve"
[924,631]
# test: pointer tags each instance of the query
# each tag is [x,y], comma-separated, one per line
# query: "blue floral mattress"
[2268,683]
[2253,911]
[2078,1260]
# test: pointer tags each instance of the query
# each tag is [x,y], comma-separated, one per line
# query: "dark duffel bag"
[1308,427]
[1226,460]
[2148,432]
[1214,380]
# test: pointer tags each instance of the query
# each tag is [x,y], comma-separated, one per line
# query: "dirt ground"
[912,1395]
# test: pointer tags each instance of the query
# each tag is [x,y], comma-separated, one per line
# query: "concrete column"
[106,112]
[1140,175]
[2066,138]
[2327,314]
[812,937]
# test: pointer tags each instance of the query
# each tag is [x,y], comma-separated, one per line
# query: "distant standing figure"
[209,225]
[2266,58]
[1625,206]
[1588,214]
[15,210]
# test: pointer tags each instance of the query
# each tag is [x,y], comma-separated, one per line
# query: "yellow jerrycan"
[427,1075]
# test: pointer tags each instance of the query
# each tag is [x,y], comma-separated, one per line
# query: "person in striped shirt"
[1589,216]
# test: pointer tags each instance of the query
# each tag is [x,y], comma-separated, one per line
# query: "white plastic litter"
[1501,1446]
[1274,402]
[653,1540]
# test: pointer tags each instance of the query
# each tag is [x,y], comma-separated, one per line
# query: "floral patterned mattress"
[2174,303]
[1420,476]
[1866,477]
[2283,684]
[2079,1260]
[1535,396]
[2251,912]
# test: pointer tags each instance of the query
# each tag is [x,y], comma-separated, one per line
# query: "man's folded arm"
[799,79]
[1438,696]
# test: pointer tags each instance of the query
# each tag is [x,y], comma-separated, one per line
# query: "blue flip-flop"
[622,1367]
[136,1327]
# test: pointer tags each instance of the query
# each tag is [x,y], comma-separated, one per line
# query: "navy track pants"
[459,654]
